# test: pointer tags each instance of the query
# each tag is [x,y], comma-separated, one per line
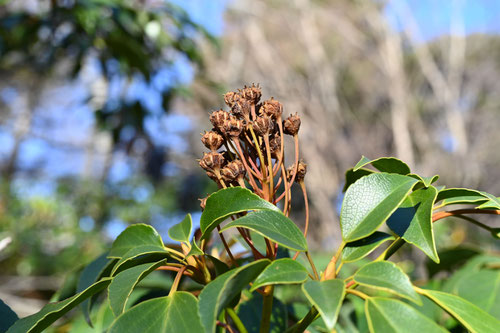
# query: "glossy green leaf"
[7,317]
[385,164]
[387,276]
[468,314]
[90,274]
[139,255]
[426,181]
[227,202]
[220,292]
[273,225]
[352,176]
[134,236]
[195,249]
[327,297]
[482,288]
[492,203]
[281,271]
[53,311]
[455,196]
[250,313]
[387,315]
[124,283]
[413,221]
[370,201]
[182,230]
[472,265]
[170,314]
[359,249]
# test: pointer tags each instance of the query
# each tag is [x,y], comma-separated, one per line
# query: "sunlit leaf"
[385,164]
[359,249]
[181,231]
[327,297]
[281,271]
[370,201]
[134,236]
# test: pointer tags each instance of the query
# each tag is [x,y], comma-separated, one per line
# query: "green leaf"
[181,231]
[281,271]
[250,313]
[124,283]
[170,314]
[53,311]
[455,196]
[139,255]
[227,202]
[413,221]
[370,201]
[8,317]
[359,249]
[195,250]
[387,276]
[426,181]
[134,236]
[327,297]
[352,176]
[273,225]
[385,164]
[387,315]
[468,314]
[482,289]
[90,274]
[492,203]
[220,292]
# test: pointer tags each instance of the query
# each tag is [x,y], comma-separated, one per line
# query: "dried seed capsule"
[217,118]
[233,127]
[212,162]
[272,108]
[241,109]
[275,145]
[231,98]
[291,125]
[233,170]
[212,140]
[251,94]
[263,125]
[301,172]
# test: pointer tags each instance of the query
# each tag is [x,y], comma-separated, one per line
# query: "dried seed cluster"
[247,146]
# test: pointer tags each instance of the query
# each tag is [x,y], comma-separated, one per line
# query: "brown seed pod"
[212,140]
[217,118]
[275,145]
[272,108]
[233,127]
[231,98]
[251,94]
[241,109]
[233,170]
[212,162]
[263,125]
[301,172]
[291,125]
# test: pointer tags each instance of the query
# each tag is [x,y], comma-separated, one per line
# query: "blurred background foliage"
[101,103]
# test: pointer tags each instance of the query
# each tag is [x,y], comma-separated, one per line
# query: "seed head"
[263,125]
[291,125]
[212,140]
[301,172]
[272,108]
[231,97]
[241,109]
[217,118]
[233,126]
[233,170]
[212,162]
[275,145]
[251,94]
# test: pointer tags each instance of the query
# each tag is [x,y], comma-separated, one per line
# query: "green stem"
[357,293]
[267,310]
[311,262]
[396,245]
[236,320]
[302,324]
